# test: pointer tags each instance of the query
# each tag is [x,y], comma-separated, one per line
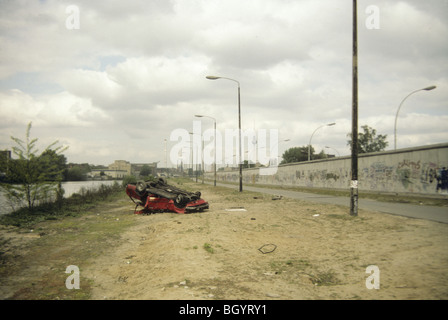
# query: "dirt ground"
[249,246]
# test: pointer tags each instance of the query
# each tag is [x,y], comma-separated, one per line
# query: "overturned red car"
[159,196]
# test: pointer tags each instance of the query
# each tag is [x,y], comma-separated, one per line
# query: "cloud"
[58,110]
[135,71]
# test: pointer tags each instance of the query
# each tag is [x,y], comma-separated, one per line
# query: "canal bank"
[70,187]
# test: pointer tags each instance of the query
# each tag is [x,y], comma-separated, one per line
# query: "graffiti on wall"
[377,176]
[442,180]
[416,172]
[422,176]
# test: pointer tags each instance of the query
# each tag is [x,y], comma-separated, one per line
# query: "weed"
[341,217]
[74,206]
[208,248]
[327,278]
[292,265]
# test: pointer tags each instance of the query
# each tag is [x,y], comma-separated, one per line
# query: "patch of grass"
[290,268]
[52,287]
[68,240]
[74,206]
[289,265]
[208,248]
[327,278]
[344,217]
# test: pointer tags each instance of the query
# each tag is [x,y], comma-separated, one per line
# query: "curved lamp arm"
[399,107]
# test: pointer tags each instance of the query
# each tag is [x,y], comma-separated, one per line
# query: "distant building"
[121,165]
[120,169]
[5,154]
[136,168]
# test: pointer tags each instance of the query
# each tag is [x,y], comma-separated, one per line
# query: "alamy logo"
[198,147]
[373,280]
[373,20]
[72,22]
[72,281]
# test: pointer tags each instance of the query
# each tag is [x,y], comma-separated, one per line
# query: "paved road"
[439,214]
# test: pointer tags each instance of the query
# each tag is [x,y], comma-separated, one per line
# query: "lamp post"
[166,161]
[396,116]
[309,144]
[354,156]
[214,120]
[191,151]
[197,149]
[333,149]
[286,140]
[278,144]
[239,124]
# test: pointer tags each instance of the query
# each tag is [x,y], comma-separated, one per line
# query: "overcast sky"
[119,83]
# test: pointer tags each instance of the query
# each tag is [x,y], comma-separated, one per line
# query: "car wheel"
[140,188]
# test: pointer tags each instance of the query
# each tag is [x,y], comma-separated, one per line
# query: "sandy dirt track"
[319,252]
[272,249]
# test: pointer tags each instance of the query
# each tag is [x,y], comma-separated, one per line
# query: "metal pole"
[399,107]
[396,117]
[214,121]
[309,144]
[239,124]
[191,152]
[354,164]
[215,155]
[196,160]
[202,160]
[166,161]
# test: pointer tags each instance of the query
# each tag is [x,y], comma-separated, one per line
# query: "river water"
[69,187]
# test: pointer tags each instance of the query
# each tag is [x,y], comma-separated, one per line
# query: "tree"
[248,164]
[295,154]
[368,141]
[145,171]
[53,165]
[298,154]
[77,172]
[35,177]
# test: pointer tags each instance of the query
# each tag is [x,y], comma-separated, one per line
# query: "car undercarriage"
[159,196]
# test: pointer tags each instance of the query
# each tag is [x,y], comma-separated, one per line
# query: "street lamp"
[333,149]
[271,148]
[396,116]
[286,140]
[197,148]
[214,120]
[191,151]
[309,144]
[239,123]
[166,157]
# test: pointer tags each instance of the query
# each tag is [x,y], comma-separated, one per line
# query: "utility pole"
[354,165]
[166,161]
[239,126]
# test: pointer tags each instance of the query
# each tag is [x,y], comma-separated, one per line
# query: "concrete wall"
[412,170]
